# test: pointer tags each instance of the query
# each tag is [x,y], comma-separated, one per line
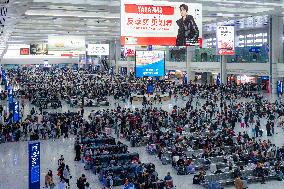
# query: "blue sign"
[4,77]
[218,80]
[265,77]
[34,165]
[279,87]
[16,112]
[255,49]
[185,79]
[10,97]
[149,48]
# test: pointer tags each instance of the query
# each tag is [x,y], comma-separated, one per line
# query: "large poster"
[98,49]
[66,44]
[225,40]
[150,63]
[38,49]
[160,23]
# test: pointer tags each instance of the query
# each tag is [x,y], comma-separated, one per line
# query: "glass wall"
[177,54]
[242,55]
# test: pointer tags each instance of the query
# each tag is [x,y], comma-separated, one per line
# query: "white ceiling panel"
[99,20]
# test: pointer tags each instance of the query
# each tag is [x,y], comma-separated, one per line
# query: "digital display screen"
[150,63]
[16,112]
[34,165]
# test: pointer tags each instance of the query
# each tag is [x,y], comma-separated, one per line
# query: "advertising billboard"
[225,40]
[150,63]
[38,49]
[66,45]
[98,49]
[160,23]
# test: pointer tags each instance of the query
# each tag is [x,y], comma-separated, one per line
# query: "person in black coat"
[188,31]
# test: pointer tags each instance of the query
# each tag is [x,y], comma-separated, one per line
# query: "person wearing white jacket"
[62,184]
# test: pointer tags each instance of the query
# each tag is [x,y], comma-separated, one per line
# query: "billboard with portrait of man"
[161,23]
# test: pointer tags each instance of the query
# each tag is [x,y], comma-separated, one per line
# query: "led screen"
[150,63]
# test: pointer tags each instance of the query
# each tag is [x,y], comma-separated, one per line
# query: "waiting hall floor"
[14,162]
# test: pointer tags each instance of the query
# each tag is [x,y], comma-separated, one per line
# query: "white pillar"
[190,52]
[275,49]
[223,70]
[167,53]
[209,78]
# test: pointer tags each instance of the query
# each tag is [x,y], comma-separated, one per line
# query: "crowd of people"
[204,126]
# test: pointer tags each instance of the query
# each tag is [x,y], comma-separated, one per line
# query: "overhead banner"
[66,45]
[161,23]
[98,49]
[225,40]
[38,49]
[150,63]
[34,165]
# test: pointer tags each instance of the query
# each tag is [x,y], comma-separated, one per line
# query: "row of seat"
[106,160]
[98,141]
[228,177]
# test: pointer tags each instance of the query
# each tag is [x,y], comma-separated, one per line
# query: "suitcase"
[164,160]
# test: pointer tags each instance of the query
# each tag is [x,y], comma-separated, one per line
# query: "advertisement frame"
[144,38]
[149,76]
[34,45]
[64,46]
[107,51]
[226,50]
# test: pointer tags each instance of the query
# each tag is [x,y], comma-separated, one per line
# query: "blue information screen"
[16,112]
[34,165]
[4,77]
[279,87]
[10,94]
[150,63]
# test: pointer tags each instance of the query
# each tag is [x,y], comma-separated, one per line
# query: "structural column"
[209,77]
[223,70]
[190,52]
[115,50]
[167,53]
[275,49]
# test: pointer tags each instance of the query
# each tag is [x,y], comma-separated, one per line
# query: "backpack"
[196,179]
[79,183]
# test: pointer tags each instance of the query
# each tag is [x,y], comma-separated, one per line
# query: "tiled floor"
[14,163]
